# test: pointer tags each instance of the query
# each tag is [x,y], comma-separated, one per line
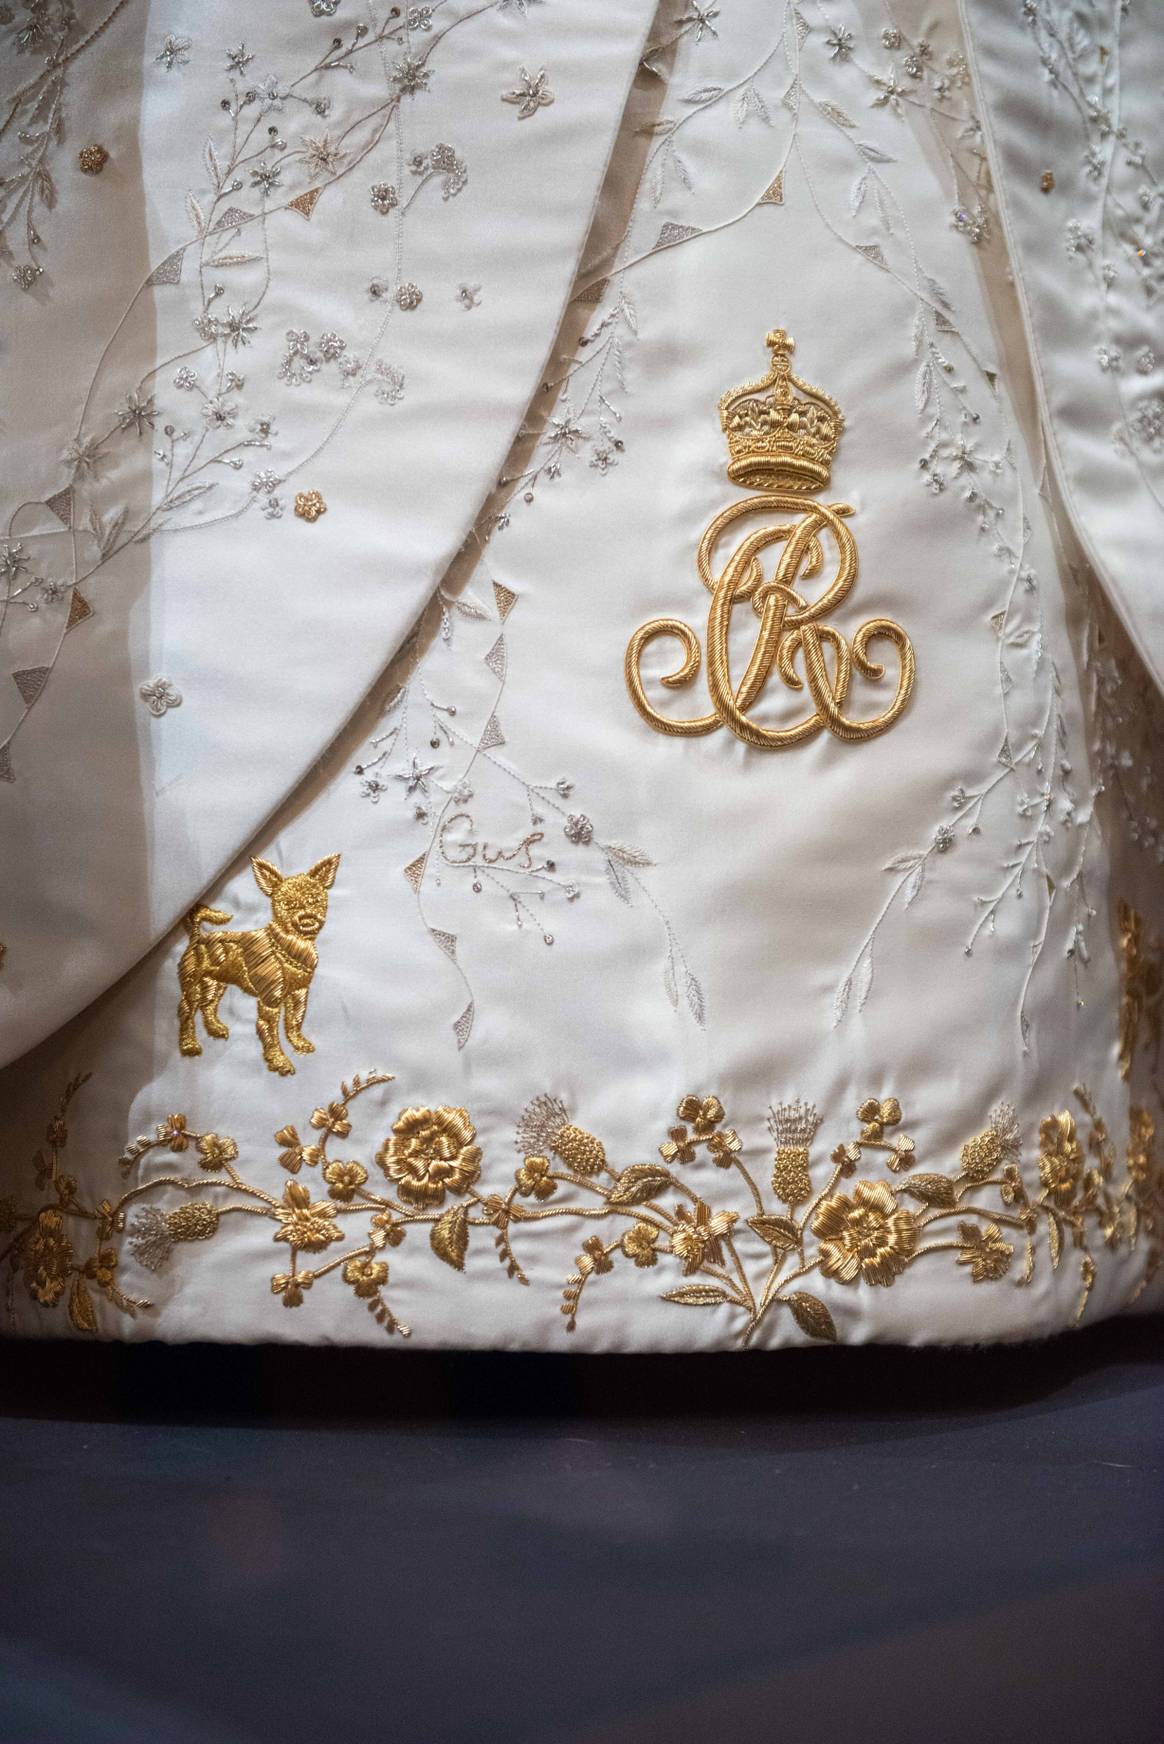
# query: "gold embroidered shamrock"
[782,435]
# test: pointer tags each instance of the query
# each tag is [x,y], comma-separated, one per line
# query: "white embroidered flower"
[839,44]
[532,93]
[237,326]
[219,414]
[890,92]
[13,561]
[175,52]
[84,457]
[389,383]
[186,378]
[1079,238]
[266,480]
[384,197]
[469,296]
[322,156]
[269,94]
[1109,358]
[1145,360]
[264,176]
[237,59]
[972,222]
[159,695]
[138,413]
[410,75]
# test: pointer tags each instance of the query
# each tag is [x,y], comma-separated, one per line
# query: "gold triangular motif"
[446,941]
[79,610]
[61,505]
[414,871]
[593,293]
[773,194]
[506,599]
[492,736]
[495,659]
[30,682]
[305,203]
[7,773]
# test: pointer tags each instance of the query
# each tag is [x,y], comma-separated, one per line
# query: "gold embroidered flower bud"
[92,159]
[794,1126]
[196,1221]
[545,1126]
[1047,181]
[309,505]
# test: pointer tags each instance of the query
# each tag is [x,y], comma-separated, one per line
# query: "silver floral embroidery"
[531,94]
[159,695]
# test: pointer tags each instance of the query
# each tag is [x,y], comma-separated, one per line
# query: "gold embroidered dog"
[274,964]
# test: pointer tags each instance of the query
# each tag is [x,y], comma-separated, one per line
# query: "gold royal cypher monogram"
[782,443]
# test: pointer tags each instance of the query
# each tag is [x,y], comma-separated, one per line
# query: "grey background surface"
[218,1546]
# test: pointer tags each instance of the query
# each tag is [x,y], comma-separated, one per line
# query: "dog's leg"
[294,1011]
[211,992]
[267,1025]
[188,1042]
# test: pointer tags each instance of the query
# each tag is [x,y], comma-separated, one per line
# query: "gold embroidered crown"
[779,439]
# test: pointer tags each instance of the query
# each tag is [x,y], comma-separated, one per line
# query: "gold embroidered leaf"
[81,1307]
[780,1233]
[450,1237]
[933,1190]
[812,1316]
[639,1183]
[696,1296]
[1054,1241]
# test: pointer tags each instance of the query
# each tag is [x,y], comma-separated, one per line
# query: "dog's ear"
[267,877]
[324,871]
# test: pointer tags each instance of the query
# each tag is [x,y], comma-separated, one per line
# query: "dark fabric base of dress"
[220,1546]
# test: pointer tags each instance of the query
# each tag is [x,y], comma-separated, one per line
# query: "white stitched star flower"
[138,413]
[175,52]
[322,156]
[410,75]
[533,93]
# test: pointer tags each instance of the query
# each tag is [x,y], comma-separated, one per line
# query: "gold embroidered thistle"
[782,435]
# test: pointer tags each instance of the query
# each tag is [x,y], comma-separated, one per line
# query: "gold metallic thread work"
[782,441]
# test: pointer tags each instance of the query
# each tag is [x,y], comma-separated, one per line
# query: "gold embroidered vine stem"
[853,1237]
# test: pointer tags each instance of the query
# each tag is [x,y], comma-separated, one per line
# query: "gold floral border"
[803,1221]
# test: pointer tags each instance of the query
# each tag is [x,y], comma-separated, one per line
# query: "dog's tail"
[215,917]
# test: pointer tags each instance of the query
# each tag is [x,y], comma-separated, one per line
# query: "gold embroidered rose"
[867,1236]
[431,1153]
[1060,1157]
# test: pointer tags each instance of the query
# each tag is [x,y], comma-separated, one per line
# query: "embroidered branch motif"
[741,1237]
[273,964]
[783,442]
